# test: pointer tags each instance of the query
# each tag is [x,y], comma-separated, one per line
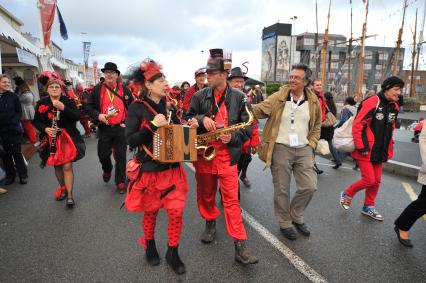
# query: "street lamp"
[202,53]
[84,66]
[294,18]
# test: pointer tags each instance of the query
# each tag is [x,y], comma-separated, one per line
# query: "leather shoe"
[405,242]
[337,166]
[106,176]
[289,233]
[317,170]
[23,180]
[302,228]
[9,181]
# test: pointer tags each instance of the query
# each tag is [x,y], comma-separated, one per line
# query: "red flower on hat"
[43,108]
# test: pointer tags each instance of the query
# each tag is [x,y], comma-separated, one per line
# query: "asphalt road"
[41,241]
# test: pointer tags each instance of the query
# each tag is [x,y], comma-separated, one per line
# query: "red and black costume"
[188,96]
[158,185]
[82,97]
[223,168]
[111,137]
[69,150]
[372,131]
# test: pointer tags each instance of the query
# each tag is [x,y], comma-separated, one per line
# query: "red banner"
[47,12]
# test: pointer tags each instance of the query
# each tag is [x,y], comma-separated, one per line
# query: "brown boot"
[209,233]
[242,254]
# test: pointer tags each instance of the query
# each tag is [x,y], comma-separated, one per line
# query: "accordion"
[175,143]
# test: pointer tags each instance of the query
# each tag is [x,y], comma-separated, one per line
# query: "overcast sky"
[175,32]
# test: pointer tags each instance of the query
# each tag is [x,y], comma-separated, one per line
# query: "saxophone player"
[217,106]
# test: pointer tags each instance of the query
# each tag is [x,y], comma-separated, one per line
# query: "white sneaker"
[2,191]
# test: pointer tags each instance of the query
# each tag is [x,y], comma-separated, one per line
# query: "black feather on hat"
[392,82]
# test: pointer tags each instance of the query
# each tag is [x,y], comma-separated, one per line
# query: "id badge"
[111,110]
[294,140]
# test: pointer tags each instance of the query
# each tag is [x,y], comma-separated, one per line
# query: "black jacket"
[235,101]
[140,130]
[94,100]
[67,118]
[10,118]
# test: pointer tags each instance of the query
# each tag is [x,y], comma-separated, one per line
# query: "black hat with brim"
[110,66]
[237,73]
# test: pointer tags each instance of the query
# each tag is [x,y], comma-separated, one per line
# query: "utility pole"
[316,41]
[413,74]
[399,41]
[324,49]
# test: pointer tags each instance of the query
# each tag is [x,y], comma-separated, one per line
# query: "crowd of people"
[127,115]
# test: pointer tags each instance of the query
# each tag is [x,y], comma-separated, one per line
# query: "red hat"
[150,68]
[79,87]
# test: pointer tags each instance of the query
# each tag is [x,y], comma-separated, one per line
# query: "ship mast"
[362,55]
[398,42]
[349,58]
[421,40]
[413,77]
[324,49]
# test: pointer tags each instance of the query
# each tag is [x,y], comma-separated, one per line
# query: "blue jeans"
[334,153]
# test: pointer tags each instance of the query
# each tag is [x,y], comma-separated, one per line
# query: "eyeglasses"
[54,87]
[296,78]
[110,72]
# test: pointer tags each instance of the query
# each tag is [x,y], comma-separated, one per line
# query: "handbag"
[132,169]
[322,147]
[343,139]
[330,119]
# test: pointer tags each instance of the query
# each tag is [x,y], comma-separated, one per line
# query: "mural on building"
[268,59]
[283,58]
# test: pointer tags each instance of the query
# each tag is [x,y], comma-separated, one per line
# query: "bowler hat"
[110,66]
[237,73]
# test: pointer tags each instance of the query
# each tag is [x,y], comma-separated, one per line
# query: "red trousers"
[29,130]
[207,175]
[371,176]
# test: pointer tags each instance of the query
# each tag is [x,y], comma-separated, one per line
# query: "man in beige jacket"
[288,141]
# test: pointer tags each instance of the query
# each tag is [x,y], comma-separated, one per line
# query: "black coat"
[10,118]
[140,131]
[93,106]
[67,118]
[201,106]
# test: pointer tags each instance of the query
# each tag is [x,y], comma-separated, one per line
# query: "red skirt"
[154,190]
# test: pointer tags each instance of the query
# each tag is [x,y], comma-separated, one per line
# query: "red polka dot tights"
[174,227]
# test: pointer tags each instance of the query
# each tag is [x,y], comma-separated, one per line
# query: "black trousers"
[243,163]
[412,212]
[13,158]
[112,140]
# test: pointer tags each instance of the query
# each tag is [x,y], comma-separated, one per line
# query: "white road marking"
[293,258]
[409,190]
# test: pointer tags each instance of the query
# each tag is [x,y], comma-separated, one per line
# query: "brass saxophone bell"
[209,152]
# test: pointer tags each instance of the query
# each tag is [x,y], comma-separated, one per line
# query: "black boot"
[317,170]
[173,259]
[151,253]
[242,254]
[209,233]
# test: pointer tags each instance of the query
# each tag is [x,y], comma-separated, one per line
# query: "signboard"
[26,57]
[268,59]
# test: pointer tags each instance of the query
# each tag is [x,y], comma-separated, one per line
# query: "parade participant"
[108,103]
[220,105]
[327,133]
[158,185]
[81,101]
[236,80]
[317,89]
[200,79]
[26,97]
[417,208]
[11,133]
[43,78]
[56,116]
[372,131]
[288,141]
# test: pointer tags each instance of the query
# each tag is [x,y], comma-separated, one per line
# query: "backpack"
[343,139]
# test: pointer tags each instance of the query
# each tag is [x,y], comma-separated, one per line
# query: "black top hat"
[216,61]
[237,73]
[110,66]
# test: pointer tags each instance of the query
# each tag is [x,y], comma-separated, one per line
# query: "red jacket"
[373,127]
[188,96]
[322,103]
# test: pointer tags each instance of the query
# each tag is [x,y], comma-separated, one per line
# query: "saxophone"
[204,139]
[57,130]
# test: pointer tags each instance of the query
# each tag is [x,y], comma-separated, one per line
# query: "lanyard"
[111,95]
[294,106]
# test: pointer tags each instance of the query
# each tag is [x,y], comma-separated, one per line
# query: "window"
[308,41]
[367,66]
